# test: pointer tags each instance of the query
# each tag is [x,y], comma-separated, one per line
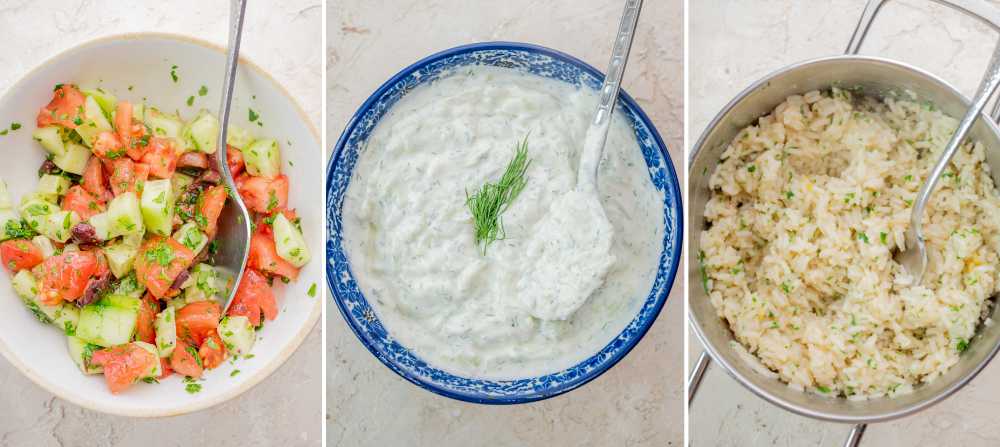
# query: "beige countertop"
[285,408]
[734,43]
[639,401]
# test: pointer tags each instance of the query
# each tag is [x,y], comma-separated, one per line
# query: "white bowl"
[143,62]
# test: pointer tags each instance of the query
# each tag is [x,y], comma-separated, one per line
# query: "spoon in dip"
[597,133]
[234,222]
[575,256]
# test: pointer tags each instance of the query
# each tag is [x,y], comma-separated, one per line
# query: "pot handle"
[697,374]
[978,9]
[854,438]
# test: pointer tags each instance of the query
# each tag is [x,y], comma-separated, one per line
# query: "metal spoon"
[914,257]
[597,133]
[234,223]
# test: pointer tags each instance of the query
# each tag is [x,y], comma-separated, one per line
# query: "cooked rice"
[809,205]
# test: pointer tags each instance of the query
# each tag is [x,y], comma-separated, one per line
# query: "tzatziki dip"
[568,270]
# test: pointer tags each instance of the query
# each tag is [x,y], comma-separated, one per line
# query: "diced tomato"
[108,146]
[158,263]
[127,175]
[124,365]
[263,195]
[264,257]
[234,158]
[65,277]
[123,121]
[165,369]
[79,200]
[212,351]
[210,205]
[145,330]
[93,178]
[193,160]
[185,360]
[161,157]
[64,109]
[198,320]
[253,290]
[20,254]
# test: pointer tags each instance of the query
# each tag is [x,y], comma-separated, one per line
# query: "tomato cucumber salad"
[115,246]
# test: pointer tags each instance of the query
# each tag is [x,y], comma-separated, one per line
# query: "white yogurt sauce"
[570,274]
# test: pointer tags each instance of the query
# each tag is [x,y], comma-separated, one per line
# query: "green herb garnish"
[493,199]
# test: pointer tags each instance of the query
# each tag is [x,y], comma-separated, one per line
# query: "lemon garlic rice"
[807,208]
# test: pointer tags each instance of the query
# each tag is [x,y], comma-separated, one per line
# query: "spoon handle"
[236,14]
[597,134]
[983,94]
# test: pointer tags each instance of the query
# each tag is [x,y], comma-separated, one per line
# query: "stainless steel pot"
[876,76]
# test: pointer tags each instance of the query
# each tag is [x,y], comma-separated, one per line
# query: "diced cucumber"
[34,210]
[238,334]
[95,113]
[5,202]
[263,159]
[163,124]
[105,100]
[45,245]
[64,316]
[121,301]
[138,112]
[50,140]
[25,285]
[154,370]
[109,322]
[51,187]
[125,216]
[120,258]
[158,206]
[288,241]
[129,286]
[204,284]
[58,225]
[102,226]
[88,132]
[10,224]
[166,331]
[203,132]
[238,137]
[191,237]
[74,160]
[81,352]
[179,182]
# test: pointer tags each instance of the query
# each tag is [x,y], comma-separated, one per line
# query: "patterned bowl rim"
[558,387]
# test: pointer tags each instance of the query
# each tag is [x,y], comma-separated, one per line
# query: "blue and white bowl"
[362,317]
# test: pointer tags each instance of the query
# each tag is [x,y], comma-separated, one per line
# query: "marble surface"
[639,401]
[734,43]
[286,408]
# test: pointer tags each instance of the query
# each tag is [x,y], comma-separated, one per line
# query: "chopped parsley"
[312,290]
[962,345]
[822,389]
[203,91]
[161,254]
[190,101]
[253,115]
[173,73]
[883,237]
[234,373]
[863,237]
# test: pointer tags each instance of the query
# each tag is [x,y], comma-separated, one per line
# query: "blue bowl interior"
[363,319]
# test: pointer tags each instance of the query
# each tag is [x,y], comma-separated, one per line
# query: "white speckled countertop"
[639,401]
[285,408]
[734,43]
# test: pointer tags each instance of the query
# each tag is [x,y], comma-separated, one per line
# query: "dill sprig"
[493,199]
